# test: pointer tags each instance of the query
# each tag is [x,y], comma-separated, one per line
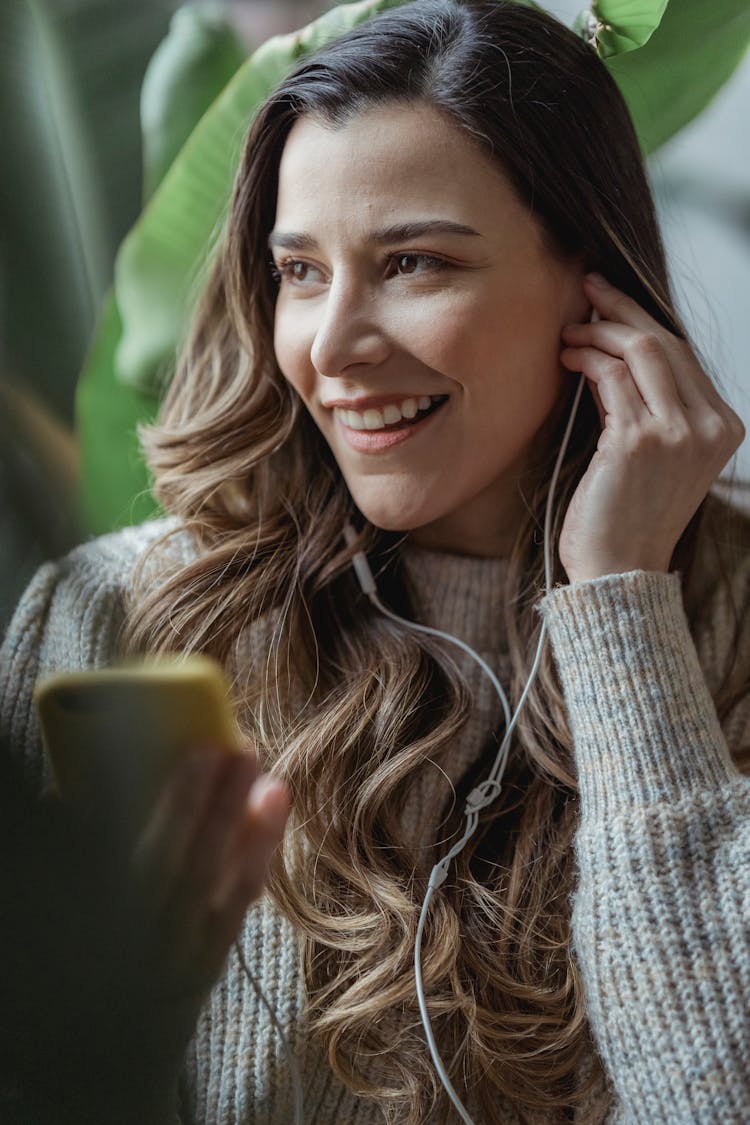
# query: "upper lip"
[367,402]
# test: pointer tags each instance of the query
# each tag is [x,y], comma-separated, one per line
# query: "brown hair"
[232,455]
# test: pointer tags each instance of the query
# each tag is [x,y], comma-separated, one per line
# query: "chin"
[388,521]
[394,509]
[397,520]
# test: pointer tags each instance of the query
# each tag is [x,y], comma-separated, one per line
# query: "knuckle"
[636,440]
[646,345]
[724,429]
[737,427]
[678,435]
[715,429]
[621,305]
[616,368]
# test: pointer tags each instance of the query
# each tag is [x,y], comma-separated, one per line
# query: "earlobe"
[577,308]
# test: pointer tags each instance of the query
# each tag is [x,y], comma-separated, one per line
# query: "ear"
[575,307]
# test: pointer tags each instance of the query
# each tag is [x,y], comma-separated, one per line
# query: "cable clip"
[438,875]
[360,563]
[482,795]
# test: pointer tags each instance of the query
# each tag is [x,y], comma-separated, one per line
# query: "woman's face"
[419,318]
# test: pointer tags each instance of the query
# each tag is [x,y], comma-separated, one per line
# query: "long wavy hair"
[344,704]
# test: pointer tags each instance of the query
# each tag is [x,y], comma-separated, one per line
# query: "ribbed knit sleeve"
[661,917]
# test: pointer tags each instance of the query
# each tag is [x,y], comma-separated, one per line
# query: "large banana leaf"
[70,75]
[190,68]
[114,489]
[692,52]
[676,59]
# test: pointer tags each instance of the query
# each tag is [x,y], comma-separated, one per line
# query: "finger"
[646,360]
[178,928]
[617,391]
[221,928]
[161,849]
[692,386]
[213,841]
[267,811]
[207,940]
[612,304]
[594,392]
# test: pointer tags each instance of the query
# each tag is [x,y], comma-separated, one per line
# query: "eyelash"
[283,269]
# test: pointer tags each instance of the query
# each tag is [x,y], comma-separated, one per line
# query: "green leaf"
[70,187]
[188,71]
[621,25]
[115,488]
[51,201]
[689,57]
[160,263]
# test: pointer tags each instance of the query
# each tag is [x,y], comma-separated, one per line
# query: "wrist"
[606,568]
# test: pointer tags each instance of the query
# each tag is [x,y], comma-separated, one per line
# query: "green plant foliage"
[694,50]
[623,25]
[188,71]
[70,75]
[115,488]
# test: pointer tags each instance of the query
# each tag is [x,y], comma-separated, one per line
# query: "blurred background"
[96,99]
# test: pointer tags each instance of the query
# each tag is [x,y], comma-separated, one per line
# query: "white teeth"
[374,419]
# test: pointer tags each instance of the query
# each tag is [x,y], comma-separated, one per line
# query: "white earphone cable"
[481,796]
[488,790]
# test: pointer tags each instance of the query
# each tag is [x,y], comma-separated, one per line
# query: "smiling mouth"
[374,421]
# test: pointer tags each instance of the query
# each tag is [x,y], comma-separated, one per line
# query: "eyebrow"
[397,232]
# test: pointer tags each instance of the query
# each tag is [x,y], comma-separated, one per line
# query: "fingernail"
[597,279]
[271,801]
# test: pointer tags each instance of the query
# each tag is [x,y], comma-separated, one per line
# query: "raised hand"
[200,861]
[666,436]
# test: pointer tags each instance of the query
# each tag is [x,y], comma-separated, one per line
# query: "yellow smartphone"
[112,735]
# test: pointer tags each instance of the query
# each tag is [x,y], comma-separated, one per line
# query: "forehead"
[386,161]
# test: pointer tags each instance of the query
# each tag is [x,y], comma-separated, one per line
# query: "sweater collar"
[460,594]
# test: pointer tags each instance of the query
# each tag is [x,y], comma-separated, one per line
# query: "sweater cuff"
[643,721]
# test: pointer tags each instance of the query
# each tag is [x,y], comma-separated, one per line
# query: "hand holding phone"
[114,734]
[155,747]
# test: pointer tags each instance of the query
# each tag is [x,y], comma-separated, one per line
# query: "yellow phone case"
[113,734]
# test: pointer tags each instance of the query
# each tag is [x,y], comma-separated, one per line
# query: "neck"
[487,531]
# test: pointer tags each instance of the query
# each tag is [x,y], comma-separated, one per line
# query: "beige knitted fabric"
[662,909]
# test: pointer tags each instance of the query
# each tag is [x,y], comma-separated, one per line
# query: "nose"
[350,332]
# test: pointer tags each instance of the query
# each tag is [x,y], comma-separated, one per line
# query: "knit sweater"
[661,911]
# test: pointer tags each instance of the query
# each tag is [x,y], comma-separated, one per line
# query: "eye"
[404,264]
[294,270]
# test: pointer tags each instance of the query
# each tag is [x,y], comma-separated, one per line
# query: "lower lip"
[376,441]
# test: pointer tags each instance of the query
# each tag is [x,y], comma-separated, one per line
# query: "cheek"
[292,351]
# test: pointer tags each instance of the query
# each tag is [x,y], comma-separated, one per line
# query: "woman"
[432,192]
